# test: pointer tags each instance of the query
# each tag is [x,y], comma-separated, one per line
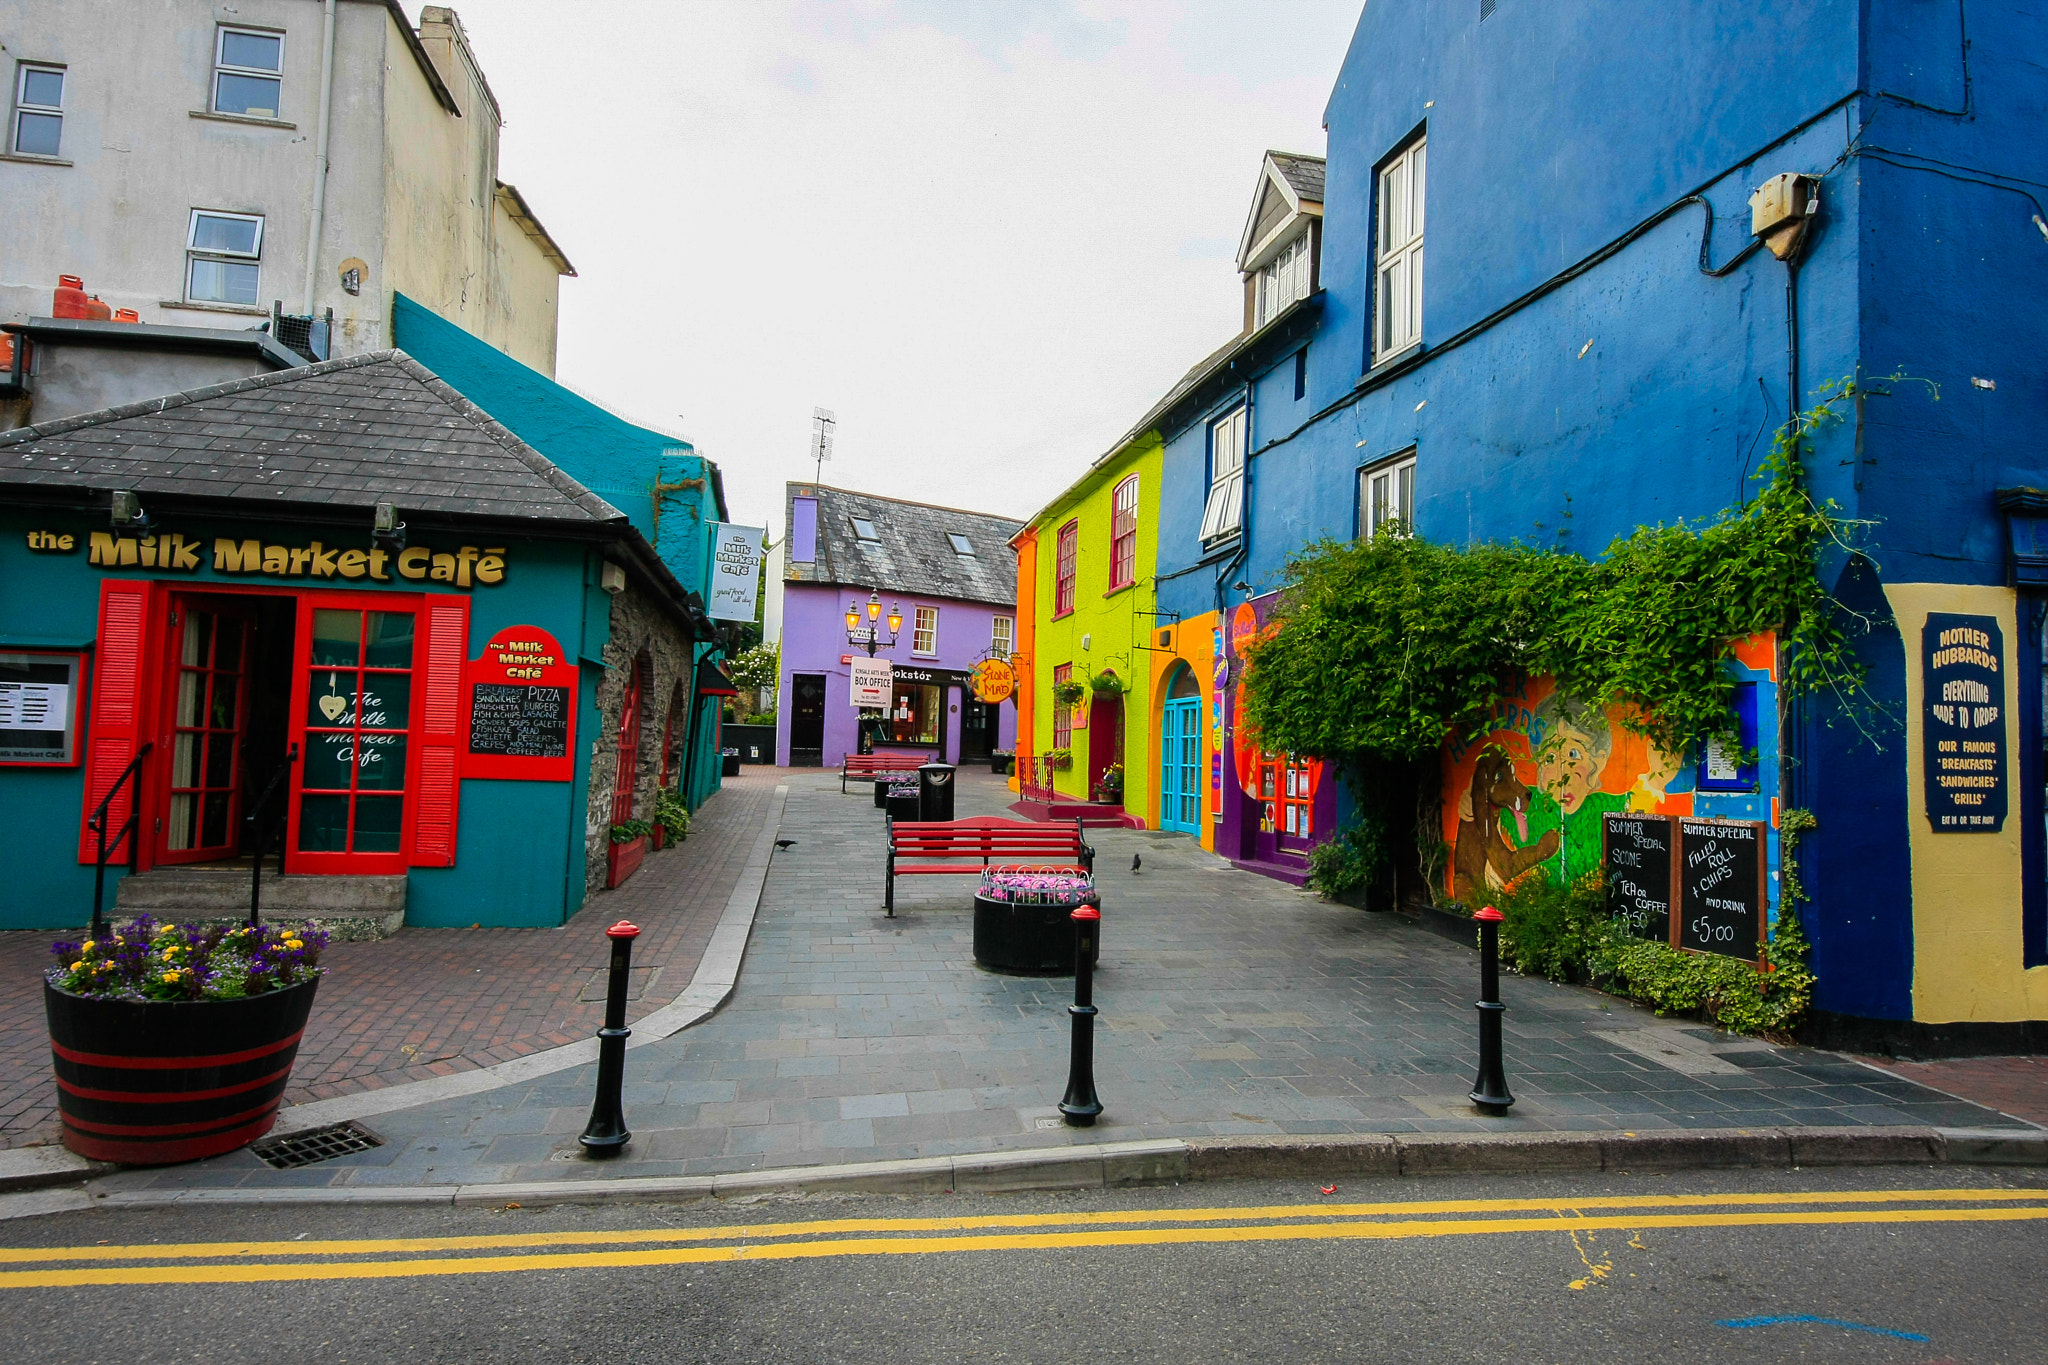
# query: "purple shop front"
[1276,807]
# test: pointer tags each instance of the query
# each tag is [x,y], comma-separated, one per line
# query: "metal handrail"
[257,840]
[97,822]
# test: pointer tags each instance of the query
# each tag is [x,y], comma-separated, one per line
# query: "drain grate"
[315,1144]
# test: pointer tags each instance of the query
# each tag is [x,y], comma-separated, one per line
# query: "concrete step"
[351,909]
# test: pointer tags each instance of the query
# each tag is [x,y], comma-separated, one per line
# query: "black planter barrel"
[149,1082]
[1035,940]
[902,804]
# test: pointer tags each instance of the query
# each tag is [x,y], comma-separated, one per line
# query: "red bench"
[879,766]
[944,848]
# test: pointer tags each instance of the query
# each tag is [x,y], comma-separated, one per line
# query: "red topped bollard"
[1081,1107]
[1490,1090]
[606,1132]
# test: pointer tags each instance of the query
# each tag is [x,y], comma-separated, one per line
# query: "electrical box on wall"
[1780,208]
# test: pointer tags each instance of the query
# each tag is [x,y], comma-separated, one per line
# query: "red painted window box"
[623,860]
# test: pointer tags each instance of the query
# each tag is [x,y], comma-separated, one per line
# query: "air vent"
[315,1145]
[1486,9]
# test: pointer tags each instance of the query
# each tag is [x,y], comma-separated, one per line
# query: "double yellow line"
[386,1258]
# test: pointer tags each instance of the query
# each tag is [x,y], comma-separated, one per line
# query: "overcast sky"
[987,234]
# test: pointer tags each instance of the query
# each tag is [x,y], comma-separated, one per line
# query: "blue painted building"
[670,494]
[1599,342]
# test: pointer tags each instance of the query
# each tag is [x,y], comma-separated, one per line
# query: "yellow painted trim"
[1968,942]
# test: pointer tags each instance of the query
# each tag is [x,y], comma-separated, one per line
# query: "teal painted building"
[458,664]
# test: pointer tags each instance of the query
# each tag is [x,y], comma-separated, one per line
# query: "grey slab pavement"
[1232,1005]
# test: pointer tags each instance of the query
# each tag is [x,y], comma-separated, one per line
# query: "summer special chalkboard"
[1721,886]
[1962,722]
[1636,857]
[519,720]
[521,708]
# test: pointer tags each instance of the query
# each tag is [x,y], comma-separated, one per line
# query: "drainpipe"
[320,152]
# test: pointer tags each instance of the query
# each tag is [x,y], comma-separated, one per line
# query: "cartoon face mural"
[1534,788]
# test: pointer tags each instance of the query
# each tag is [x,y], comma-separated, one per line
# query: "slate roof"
[912,555]
[1304,173]
[351,432]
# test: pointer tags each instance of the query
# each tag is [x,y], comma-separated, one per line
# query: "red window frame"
[1064,566]
[418,671]
[1123,534]
[1062,716]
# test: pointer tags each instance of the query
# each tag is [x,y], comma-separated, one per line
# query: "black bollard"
[606,1132]
[1490,1091]
[1081,1106]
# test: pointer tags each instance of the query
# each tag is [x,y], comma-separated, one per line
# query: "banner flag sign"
[735,571]
[874,680]
[1962,722]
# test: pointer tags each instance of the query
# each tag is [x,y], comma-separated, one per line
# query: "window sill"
[251,119]
[234,308]
[915,654]
[1227,541]
[1121,588]
[33,159]
[1061,615]
[1391,359]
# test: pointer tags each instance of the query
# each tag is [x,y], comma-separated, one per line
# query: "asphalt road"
[1891,1265]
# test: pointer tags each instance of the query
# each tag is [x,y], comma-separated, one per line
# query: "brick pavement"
[2012,1085]
[432,1002]
[1231,1005]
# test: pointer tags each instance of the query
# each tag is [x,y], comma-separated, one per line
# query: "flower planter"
[1035,940]
[623,860]
[657,835]
[149,1082]
[902,804]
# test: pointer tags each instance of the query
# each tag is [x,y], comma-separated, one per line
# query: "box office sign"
[1962,722]
[873,683]
[464,566]
[520,709]
[1697,884]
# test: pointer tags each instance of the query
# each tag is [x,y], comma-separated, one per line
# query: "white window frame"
[223,67]
[194,253]
[1403,195]
[1002,636]
[924,630]
[1282,280]
[1386,495]
[22,71]
[1223,512]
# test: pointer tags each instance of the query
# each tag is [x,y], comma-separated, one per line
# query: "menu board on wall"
[1962,722]
[519,709]
[1636,859]
[1721,895]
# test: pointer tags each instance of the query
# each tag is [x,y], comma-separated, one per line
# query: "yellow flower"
[294,943]
[87,946]
[170,976]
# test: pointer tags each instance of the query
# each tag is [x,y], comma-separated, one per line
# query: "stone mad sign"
[1962,722]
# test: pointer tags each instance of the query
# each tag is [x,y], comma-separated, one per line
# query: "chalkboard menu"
[1962,722]
[1721,886]
[520,721]
[520,709]
[1636,858]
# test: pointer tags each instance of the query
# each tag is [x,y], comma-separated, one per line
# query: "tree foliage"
[1386,647]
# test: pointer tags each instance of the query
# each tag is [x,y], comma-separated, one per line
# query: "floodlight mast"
[822,424]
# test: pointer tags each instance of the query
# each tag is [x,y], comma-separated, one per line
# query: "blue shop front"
[338,618]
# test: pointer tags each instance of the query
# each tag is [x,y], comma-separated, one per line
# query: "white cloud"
[987,235]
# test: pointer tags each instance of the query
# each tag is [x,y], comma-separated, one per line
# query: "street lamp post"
[868,636]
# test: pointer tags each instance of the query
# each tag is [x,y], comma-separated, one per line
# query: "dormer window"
[961,544]
[863,529]
[1281,281]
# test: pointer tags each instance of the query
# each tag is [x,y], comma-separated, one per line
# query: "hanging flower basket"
[172,1042]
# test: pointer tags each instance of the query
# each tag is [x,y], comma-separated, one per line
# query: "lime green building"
[1086,632]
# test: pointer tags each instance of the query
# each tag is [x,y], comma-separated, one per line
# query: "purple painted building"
[950,576]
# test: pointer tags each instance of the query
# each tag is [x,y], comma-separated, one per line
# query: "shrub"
[1348,863]
[672,813]
[1553,928]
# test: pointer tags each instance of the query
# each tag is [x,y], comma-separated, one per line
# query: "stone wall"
[644,634]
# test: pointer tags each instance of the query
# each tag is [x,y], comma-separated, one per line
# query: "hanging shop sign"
[520,712]
[1721,893]
[874,683]
[994,681]
[39,708]
[735,571]
[173,552]
[1962,722]
[1635,856]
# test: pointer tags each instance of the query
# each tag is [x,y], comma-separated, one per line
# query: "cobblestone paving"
[1231,1004]
[430,1002]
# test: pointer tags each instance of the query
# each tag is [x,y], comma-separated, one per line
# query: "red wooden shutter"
[117,711]
[444,643]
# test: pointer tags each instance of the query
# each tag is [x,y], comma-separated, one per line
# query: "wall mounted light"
[387,532]
[126,511]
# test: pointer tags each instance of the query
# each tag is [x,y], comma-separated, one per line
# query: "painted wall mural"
[1532,790]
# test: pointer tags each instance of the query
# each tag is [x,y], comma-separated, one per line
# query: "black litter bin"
[732,763]
[882,792]
[935,791]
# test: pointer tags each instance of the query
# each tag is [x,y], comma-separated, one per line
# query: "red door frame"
[178,603]
[626,768]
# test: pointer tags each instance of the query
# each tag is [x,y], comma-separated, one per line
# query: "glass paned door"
[356,669]
[1297,801]
[208,703]
[1180,792]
